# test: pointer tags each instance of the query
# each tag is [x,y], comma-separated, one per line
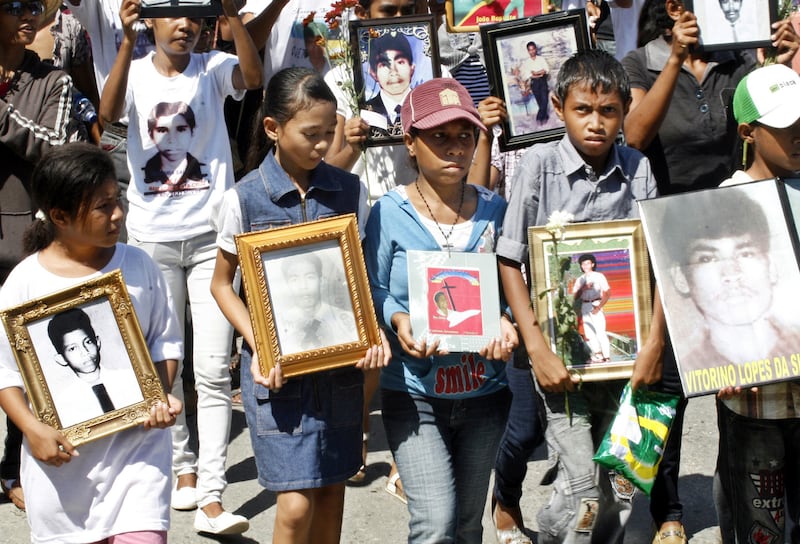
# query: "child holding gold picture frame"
[74,239]
[306,464]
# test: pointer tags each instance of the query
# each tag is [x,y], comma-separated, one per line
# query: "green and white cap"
[769,95]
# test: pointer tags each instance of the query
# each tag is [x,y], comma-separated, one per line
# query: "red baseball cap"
[436,102]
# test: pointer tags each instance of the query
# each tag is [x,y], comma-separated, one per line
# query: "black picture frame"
[154,9]
[557,36]
[751,28]
[420,33]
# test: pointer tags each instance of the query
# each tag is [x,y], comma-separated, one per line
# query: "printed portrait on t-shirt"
[173,169]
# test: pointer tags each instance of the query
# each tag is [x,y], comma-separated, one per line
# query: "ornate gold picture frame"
[101,314]
[308,295]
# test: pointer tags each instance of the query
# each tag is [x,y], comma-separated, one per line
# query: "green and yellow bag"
[634,443]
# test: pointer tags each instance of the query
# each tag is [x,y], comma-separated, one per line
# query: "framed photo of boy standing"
[83,359]
[523,58]
[394,56]
[591,292]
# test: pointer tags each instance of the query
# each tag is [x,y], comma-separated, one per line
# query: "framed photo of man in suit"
[394,56]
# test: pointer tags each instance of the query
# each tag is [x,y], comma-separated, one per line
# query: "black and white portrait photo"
[85,363]
[727,273]
[730,24]
[310,297]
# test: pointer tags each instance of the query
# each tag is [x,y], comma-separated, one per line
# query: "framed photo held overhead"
[85,365]
[523,58]
[455,298]
[725,260]
[468,15]
[308,295]
[734,24]
[180,8]
[394,56]
[592,295]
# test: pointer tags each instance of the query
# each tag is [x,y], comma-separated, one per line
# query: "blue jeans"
[523,433]
[444,450]
[759,475]
[581,489]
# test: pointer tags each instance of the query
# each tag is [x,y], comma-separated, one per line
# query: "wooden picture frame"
[455,298]
[734,24]
[726,259]
[621,256]
[326,253]
[154,9]
[556,36]
[469,15]
[413,36]
[58,396]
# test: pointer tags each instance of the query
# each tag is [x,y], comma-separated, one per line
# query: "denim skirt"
[308,434]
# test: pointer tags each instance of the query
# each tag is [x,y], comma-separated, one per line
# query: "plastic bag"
[634,443]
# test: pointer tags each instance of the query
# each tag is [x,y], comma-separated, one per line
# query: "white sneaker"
[184,498]
[224,524]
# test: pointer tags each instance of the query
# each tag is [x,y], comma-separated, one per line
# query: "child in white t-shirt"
[74,239]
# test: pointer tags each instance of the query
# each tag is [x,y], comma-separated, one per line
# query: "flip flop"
[394,490]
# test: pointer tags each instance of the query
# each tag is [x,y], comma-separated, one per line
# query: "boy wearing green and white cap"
[758,467]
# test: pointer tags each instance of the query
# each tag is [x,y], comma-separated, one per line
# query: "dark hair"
[163,109]
[310,258]
[532,43]
[289,91]
[597,69]
[65,322]
[588,257]
[654,22]
[725,213]
[391,41]
[65,179]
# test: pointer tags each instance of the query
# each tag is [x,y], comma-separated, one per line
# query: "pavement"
[372,515]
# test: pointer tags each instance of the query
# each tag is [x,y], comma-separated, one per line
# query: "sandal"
[671,536]
[359,477]
[13,492]
[514,535]
[394,487]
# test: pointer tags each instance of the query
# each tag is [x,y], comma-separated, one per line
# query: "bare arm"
[347,142]
[492,111]
[649,108]
[46,443]
[260,27]
[112,101]
[648,366]
[550,371]
[249,74]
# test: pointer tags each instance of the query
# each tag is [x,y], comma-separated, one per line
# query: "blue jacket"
[393,228]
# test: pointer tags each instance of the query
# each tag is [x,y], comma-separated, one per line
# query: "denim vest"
[269,199]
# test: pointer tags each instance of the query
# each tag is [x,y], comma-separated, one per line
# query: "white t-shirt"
[167,210]
[101,20]
[625,21]
[120,483]
[387,166]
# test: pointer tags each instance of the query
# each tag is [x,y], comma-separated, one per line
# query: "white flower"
[557,223]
